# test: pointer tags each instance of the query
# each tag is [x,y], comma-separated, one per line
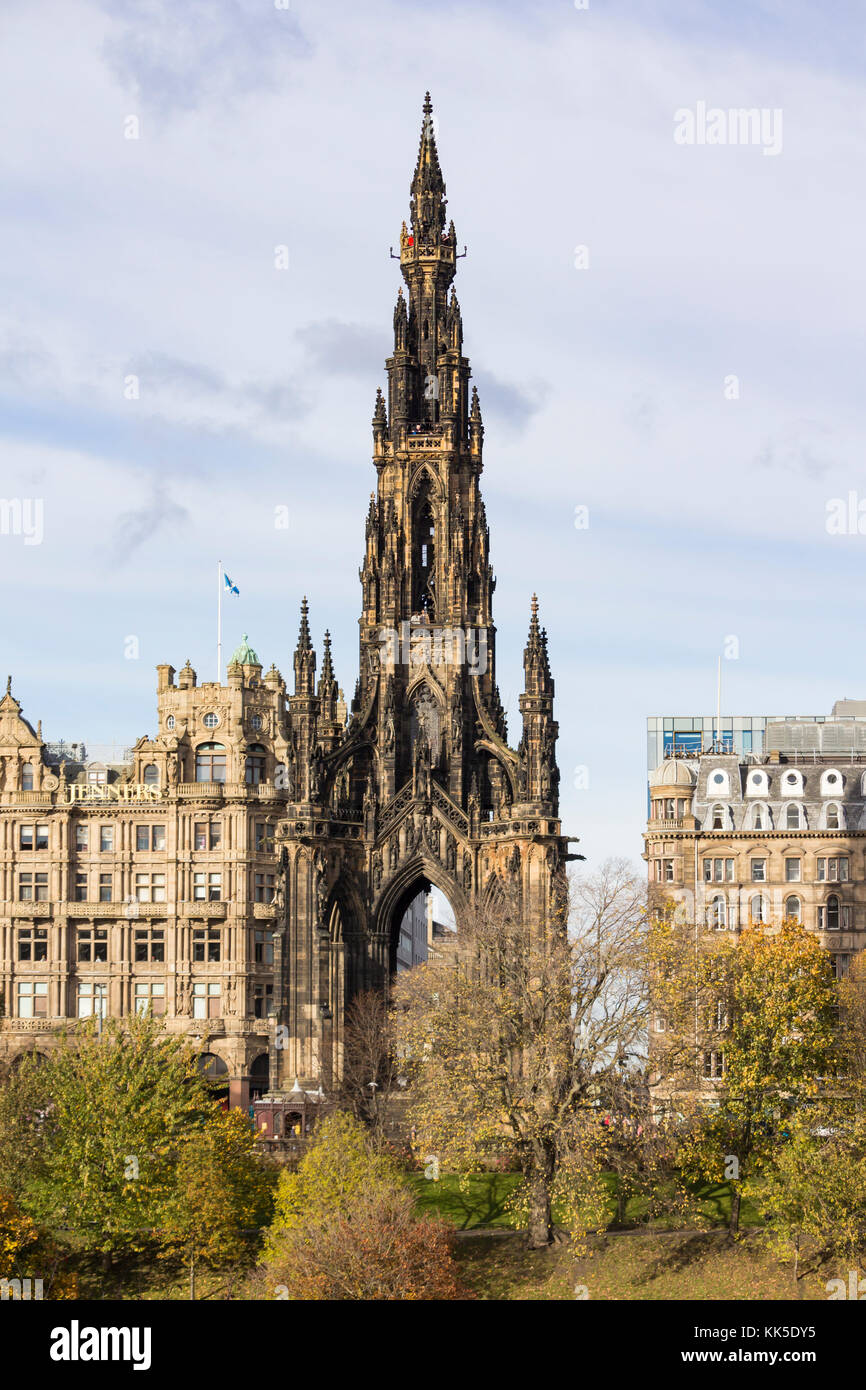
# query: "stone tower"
[420,785]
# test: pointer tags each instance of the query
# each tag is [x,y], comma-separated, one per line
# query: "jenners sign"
[113,791]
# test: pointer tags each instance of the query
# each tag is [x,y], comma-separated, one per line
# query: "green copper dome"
[245,656]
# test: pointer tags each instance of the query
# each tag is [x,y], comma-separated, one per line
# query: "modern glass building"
[690,734]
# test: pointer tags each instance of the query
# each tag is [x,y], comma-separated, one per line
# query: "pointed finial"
[428,105]
[8,685]
[534,605]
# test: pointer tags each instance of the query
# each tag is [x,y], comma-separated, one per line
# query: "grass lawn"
[688,1266]
[479,1199]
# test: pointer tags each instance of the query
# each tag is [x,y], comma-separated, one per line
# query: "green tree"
[221,1196]
[345,1227]
[99,1125]
[774,1021]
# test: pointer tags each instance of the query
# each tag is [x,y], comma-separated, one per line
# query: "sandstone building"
[736,840]
[247,872]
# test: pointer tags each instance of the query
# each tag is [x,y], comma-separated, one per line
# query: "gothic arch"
[397,892]
[425,476]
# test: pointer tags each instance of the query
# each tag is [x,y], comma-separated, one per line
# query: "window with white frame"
[792,870]
[32,998]
[205,999]
[833,869]
[92,997]
[150,996]
[759,871]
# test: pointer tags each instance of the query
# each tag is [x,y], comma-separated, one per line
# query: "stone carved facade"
[421,787]
[327,821]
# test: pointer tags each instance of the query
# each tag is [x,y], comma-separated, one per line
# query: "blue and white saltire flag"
[230,587]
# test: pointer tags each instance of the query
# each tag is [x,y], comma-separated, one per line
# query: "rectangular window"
[208,835]
[142,888]
[263,949]
[25,840]
[759,870]
[841,965]
[206,944]
[149,996]
[714,1065]
[106,839]
[264,887]
[105,888]
[92,943]
[91,999]
[199,887]
[729,870]
[708,871]
[263,996]
[32,998]
[82,837]
[833,870]
[80,893]
[214,887]
[40,888]
[157,838]
[668,868]
[205,1000]
[157,882]
[149,944]
[792,871]
[25,888]
[142,837]
[32,943]
[262,836]
[42,836]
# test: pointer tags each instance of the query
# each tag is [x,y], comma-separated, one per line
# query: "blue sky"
[601,387]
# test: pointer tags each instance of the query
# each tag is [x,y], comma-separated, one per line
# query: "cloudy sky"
[692,376]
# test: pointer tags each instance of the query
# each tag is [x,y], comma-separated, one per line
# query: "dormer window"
[27,777]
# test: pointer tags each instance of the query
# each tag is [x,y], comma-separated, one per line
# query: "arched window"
[832,913]
[169,723]
[717,820]
[423,556]
[717,913]
[256,764]
[210,762]
[151,775]
[792,818]
[760,817]
[756,908]
[832,817]
[27,777]
[792,909]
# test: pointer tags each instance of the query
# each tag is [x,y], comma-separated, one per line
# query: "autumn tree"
[813,1195]
[90,1139]
[511,1029]
[221,1196]
[772,1027]
[370,1076]
[345,1227]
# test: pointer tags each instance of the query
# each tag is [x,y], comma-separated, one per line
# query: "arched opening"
[259,1076]
[423,919]
[423,557]
[214,1069]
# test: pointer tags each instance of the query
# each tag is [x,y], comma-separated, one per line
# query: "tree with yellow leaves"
[509,1034]
[773,1025]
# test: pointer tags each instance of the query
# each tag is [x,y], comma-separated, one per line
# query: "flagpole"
[219,620]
